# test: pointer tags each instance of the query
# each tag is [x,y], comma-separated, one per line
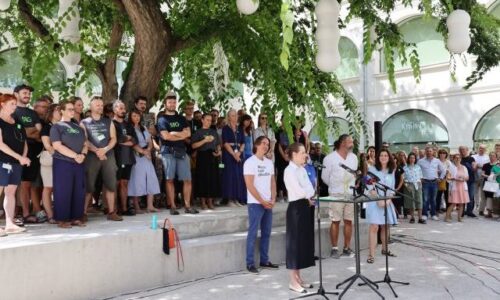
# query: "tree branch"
[35,25]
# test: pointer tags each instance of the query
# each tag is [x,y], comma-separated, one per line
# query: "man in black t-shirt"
[174,130]
[32,124]
[124,155]
[470,163]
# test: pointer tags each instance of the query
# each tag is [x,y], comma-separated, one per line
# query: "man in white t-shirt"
[481,159]
[261,197]
[339,182]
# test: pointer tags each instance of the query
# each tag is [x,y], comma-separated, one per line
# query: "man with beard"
[32,124]
[101,139]
[339,183]
[148,119]
[124,155]
[174,130]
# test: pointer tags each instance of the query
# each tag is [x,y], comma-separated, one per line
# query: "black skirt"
[299,235]
[206,179]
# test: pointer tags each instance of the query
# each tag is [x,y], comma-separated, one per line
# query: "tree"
[209,44]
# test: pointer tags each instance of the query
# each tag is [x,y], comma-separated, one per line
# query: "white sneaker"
[424,218]
[435,218]
[232,204]
[238,204]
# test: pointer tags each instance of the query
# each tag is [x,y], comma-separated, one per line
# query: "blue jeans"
[258,215]
[471,188]
[429,192]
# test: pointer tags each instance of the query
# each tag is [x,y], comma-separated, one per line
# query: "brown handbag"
[171,240]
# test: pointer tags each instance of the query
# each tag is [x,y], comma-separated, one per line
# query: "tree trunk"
[152,51]
[107,71]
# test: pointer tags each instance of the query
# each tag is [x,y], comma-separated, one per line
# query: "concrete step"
[105,264]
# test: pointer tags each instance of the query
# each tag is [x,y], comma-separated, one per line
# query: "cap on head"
[20,87]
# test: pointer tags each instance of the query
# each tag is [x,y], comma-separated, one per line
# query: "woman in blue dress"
[233,142]
[246,125]
[384,168]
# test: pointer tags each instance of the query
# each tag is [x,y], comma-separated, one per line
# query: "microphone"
[317,164]
[353,172]
[373,176]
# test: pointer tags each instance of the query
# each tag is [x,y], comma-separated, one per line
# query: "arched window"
[349,63]
[332,135]
[11,74]
[430,43]
[487,130]
[413,127]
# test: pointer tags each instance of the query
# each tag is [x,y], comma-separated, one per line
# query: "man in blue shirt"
[432,169]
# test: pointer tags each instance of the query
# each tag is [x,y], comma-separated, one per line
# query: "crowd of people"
[59,163]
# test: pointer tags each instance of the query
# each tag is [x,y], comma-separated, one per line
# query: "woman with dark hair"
[69,142]
[263,129]
[78,104]
[143,179]
[206,142]
[13,155]
[413,188]
[46,161]
[246,125]
[261,192]
[299,220]
[375,214]
[233,142]
[400,162]
[443,185]
[370,153]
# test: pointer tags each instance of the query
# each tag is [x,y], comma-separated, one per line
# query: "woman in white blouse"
[299,226]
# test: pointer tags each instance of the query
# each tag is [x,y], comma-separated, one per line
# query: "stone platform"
[110,258]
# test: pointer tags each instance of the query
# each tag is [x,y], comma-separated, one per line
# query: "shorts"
[12,176]
[107,168]
[176,166]
[341,211]
[32,172]
[124,172]
[46,173]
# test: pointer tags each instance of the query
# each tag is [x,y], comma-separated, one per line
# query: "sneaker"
[114,217]
[435,218]
[232,204]
[424,218]
[252,270]
[238,204]
[174,212]
[269,265]
[472,215]
[422,221]
[481,213]
[347,252]
[412,220]
[191,210]
[335,253]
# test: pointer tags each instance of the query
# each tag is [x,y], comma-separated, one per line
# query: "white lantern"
[328,35]
[327,12]
[327,62]
[4,4]
[247,7]
[71,31]
[71,59]
[458,22]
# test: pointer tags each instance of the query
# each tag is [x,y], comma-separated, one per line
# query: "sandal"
[52,221]
[64,225]
[30,219]
[389,253]
[2,232]
[19,221]
[370,259]
[78,223]
[15,230]
[412,220]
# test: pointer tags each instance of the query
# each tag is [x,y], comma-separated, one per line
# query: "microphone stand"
[321,291]
[358,274]
[387,278]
